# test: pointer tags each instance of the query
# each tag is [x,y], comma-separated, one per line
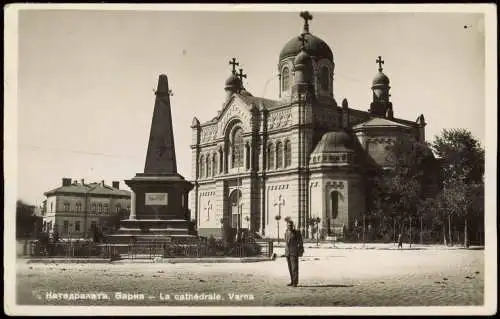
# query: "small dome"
[233,81]
[332,142]
[380,79]
[303,59]
[314,46]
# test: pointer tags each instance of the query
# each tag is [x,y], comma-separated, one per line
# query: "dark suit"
[293,250]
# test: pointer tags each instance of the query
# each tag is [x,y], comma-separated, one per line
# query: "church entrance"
[235,209]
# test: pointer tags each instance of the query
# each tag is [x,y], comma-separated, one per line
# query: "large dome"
[314,46]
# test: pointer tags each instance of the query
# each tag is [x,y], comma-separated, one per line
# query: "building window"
[66,226]
[202,166]
[77,226]
[49,226]
[334,197]
[221,160]
[66,207]
[128,208]
[237,149]
[285,79]
[78,207]
[94,207]
[279,155]
[118,208]
[52,207]
[100,208]
[270,156]
[93,225]
[209,166]
[214,164]
[106,208]
[247,158]
[324,79]
[288,153]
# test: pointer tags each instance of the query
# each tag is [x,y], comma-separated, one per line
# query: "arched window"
[279,154]
[209,166]
[334,198]
[237,148]
[247,159]
[324,79]
[285,79]
[288,153]
[215,169]
[221,160]
[202,166]
[270,156]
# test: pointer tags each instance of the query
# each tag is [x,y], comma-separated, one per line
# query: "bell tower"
[381,105]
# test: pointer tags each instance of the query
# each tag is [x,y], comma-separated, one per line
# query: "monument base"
[144,231]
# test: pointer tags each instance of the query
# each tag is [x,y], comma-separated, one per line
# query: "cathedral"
[303,156]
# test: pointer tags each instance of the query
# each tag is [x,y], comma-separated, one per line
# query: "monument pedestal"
[159,209]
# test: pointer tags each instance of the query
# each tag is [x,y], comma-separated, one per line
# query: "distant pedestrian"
[400,240]
[294,249]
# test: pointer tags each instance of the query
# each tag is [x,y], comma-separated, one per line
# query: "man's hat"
[289,222]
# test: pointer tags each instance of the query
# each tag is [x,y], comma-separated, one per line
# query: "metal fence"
[200,249]
[70,250]
[149,249]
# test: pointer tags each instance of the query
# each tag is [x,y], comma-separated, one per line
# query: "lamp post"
[317,220]
[279,203]
[278,218]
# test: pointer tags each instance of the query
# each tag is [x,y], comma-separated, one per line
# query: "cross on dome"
[241,75]
[306,16]
[379,61]
[234,64]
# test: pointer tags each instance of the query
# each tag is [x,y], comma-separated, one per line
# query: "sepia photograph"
[250,159]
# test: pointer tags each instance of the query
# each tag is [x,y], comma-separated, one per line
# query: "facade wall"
[79,217]
[288,191]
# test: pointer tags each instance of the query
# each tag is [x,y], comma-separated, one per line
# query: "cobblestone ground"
[337,278]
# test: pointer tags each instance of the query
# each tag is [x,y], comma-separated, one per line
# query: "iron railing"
[199,249]
[70,250]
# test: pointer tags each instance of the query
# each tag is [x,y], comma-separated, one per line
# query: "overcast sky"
[86,78]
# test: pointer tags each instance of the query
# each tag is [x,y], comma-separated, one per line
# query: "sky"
[85,79]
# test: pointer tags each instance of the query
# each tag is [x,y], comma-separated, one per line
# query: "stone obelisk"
[159,206]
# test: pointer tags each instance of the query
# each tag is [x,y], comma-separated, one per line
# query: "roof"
[314,46]
[332,142]
[90,189]
[379,122]
[258,101]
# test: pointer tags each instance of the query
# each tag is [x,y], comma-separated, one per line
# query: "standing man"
[294,249]
[400,240]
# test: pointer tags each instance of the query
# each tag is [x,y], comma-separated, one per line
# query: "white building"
[75,207]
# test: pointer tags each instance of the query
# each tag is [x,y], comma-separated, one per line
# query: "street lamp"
[278,218]
[279,203]
[317,220]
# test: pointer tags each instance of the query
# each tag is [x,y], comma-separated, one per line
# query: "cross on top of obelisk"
[306,16]
[379,62]
[303,39]
[234,64]
[241,75]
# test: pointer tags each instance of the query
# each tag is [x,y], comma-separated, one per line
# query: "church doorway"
[235,209]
